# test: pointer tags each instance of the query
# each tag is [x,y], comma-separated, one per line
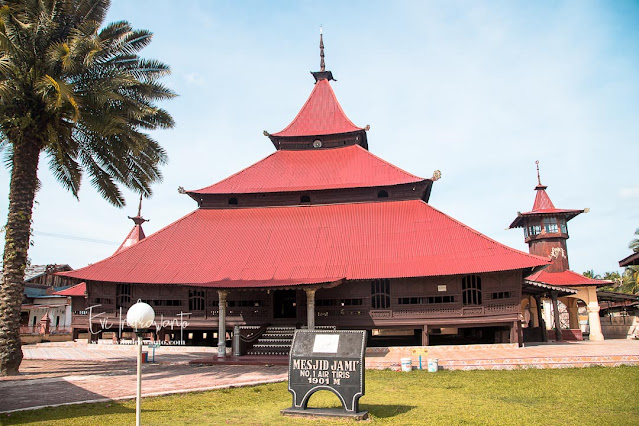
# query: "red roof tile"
[308,244]
[320,115]
[542,200]
[135,235]
[347,167]
[566,278]
[76,290]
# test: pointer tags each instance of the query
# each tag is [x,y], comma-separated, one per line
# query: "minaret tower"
[546,228]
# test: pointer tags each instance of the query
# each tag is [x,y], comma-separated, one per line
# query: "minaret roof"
[543,205]
[137,233]
[542,200]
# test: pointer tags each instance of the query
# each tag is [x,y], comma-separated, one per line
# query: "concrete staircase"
[274,341]
[277,340]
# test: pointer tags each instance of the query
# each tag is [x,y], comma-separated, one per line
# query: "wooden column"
[540,319]
[555,308]
[425,336]
[516,333]
[221,328]
[310,308]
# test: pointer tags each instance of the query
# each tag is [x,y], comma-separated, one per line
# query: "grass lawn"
[597,396]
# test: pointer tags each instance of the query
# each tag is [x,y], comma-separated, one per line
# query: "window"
[305,199]
[550,224]
[471,290]
[380,294]
[339,302]
[233,201]
[425,300]
[534,230]
[382,194]
[562,226]
[244,303]
[502,295]
[123,296]
[196,300]
[173,302]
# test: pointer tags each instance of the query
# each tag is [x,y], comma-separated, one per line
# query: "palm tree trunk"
[24,178]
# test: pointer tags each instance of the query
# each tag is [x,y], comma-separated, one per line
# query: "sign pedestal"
[327,360]
[324,412]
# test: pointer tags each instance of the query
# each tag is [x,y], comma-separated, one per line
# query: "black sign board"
[327,360]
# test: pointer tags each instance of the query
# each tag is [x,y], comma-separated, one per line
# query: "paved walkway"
[66,373]
[499,357]
[47,382]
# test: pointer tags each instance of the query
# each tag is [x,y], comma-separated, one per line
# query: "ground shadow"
[384,411]
[68,412]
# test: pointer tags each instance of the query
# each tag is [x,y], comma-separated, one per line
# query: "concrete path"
[66,373]
[51,383]
[81,351]
[500,357]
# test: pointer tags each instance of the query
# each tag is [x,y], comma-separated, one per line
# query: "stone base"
[324,412]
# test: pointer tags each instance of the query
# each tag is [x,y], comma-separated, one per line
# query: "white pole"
[138,399]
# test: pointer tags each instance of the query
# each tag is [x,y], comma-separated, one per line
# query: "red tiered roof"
[566,278]
[76,290]
[284,246]
[347,167]
[320,115]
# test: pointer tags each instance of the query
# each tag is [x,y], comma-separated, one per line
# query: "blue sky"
[478,90]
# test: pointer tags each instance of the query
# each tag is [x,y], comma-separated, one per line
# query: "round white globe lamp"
[140,317]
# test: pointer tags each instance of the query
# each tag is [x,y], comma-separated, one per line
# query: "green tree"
[591,274]
[634,244]
[79,93]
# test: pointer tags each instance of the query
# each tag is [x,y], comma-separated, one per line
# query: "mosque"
[323,233]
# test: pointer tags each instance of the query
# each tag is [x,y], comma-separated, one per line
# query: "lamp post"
[140,316]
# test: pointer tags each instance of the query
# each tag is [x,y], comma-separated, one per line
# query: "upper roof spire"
[322,64]
[538,177]
[139,220]
[137,233]
[322,74]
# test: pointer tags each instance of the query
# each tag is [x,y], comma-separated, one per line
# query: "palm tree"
[80,94]
[634,244]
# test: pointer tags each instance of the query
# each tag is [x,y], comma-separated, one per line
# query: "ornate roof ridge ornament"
[437,175]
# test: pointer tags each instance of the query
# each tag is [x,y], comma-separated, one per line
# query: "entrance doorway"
[284,304]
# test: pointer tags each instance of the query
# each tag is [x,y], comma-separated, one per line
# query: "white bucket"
[407,364]
[433,365]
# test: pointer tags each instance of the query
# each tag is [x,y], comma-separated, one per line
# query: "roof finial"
[322,74]
[139,220]
[140,206]
[322,65]
[538,177]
